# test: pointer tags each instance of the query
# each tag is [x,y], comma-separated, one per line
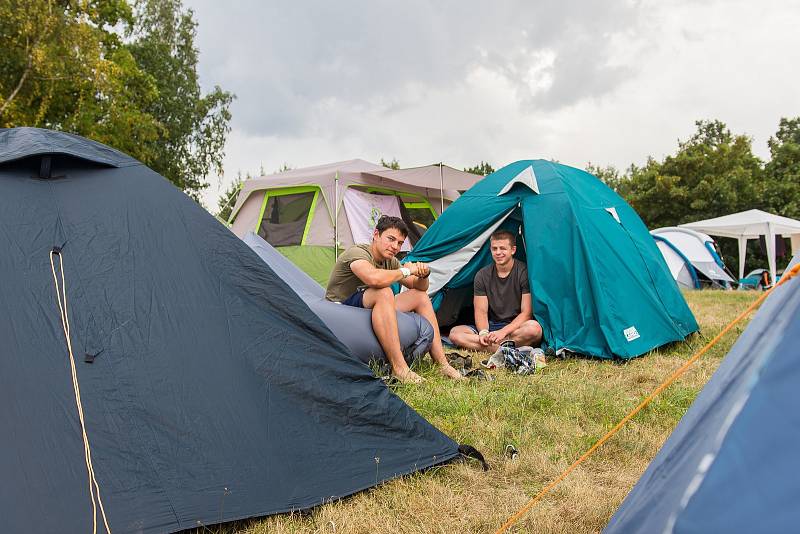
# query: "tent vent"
[613,212]
[46,168]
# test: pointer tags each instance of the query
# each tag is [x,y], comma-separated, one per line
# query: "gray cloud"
[288,62]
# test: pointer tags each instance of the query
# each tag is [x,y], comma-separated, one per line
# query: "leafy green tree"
[483,168]
[781,184]
[65,66]
[195,126]
[390,164]
[713,173]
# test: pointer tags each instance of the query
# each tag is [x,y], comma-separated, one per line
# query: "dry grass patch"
[551,418]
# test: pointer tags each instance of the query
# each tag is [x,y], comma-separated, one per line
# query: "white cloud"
[607,82]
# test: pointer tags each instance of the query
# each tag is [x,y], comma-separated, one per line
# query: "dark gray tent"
[209,390]
[353,326]
[731,465]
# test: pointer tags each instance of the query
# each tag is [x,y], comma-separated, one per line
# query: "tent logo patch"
[631,333]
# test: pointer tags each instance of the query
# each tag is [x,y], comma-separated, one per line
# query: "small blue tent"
[732,465]
[208,390]
[599,285]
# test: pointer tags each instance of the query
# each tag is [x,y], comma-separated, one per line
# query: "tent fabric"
[420,197]
[697,249]
[731,464]
[752,224]
[26,142]
[334,178]
[352,326]
[599,285]
[681,268]
[364,210]
[214,394]
[431,177]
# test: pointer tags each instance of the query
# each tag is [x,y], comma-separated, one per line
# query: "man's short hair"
[504,234]
[387,221]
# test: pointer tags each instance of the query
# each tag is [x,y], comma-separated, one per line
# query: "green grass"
[551,418]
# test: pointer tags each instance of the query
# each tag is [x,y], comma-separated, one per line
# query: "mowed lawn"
[551,418]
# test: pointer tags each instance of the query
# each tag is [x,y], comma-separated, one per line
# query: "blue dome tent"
[599,285]
[204,390]
[731,464]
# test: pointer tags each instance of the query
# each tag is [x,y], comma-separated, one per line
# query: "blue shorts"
[493,326]
[355,300]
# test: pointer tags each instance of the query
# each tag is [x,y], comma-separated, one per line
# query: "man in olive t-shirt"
[362,277]
[502,300]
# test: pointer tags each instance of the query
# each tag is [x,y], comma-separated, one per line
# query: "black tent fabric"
[213,392]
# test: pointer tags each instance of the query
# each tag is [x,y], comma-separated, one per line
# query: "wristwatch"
[406,271]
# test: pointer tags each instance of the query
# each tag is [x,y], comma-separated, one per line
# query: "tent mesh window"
[285,218]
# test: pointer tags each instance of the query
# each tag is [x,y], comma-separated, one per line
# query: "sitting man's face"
[389,242]
[502,251]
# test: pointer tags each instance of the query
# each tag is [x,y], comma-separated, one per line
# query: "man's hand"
[419,269]
[497,336]
[484,340]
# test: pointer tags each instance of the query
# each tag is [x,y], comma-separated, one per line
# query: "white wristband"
[483,332]
[406,271]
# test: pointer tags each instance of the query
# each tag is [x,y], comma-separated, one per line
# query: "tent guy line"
[647,400]
[63,308]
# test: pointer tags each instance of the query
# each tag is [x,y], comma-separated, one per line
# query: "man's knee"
[377,296]
[530,330]
[456,335]
[420,297]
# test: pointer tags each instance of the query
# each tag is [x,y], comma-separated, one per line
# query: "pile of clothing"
[520,360]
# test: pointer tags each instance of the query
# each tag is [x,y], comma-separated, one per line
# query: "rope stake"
[61,296]
[672,378]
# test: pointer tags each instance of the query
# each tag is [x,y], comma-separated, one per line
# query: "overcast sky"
[609,82]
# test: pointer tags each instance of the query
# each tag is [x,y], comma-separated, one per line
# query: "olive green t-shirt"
[343,281]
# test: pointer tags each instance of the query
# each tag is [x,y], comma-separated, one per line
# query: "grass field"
[551,418]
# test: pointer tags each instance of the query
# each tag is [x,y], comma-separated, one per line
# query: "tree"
[195,126]
[713,173]
[65,66]
[390,164]
[782,173]
[483,168]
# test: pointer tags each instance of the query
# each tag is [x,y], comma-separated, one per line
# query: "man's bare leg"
[384,324]
[464,337]
[419,302]
[529,333]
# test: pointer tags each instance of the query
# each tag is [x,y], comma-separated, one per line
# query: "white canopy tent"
[752,224]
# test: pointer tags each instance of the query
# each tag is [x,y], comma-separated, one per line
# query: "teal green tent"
[600,287]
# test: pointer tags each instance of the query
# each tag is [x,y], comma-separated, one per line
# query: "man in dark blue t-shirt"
[502,302]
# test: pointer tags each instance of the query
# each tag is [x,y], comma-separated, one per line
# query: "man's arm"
[374,277]
[525,314]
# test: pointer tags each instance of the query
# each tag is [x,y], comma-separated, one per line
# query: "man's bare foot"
[407,376]
[450,372]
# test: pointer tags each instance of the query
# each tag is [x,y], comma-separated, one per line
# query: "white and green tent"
[311,214]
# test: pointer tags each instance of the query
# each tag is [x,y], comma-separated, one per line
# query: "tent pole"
[742,255]
[441,186]
[335,217]
[771,252]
